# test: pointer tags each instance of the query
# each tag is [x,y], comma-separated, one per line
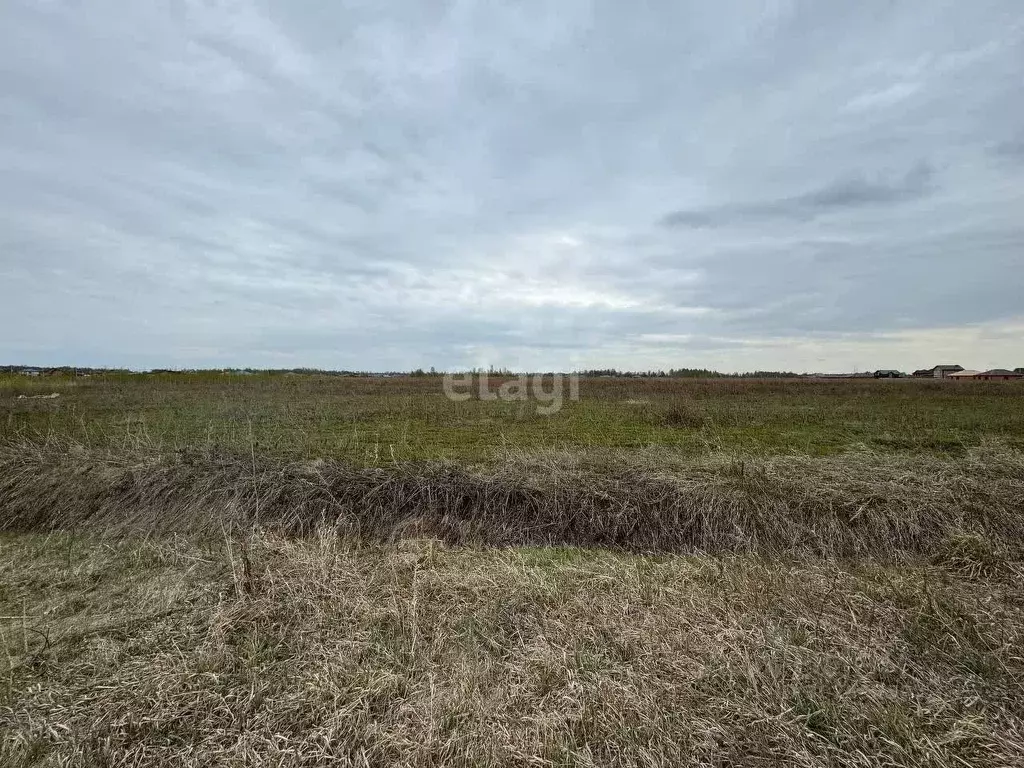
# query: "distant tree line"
[682,373]
[692,373]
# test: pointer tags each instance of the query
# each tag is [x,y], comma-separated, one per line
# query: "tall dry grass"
[311,652]
[861,503]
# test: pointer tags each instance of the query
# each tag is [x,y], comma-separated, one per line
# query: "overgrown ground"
[285,571]
[374,420]
[271,651]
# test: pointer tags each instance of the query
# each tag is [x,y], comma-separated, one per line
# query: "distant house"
[938,372]
[960,375]
[1018,370]
[999,374]
[888,373]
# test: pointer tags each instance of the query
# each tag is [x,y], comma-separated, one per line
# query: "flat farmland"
[369,420]
[309,570]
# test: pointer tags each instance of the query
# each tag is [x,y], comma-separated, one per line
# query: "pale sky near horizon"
[790,185]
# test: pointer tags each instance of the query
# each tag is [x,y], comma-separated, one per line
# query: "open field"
[308,570]
[370,420]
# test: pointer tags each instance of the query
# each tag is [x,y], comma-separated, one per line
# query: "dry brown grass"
[203,607]
[861,503]
[308,652]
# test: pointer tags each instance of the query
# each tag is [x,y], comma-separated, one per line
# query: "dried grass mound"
[861,503]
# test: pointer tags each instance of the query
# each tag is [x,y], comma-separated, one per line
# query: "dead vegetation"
[862,503]
[684,415]
[168,600]
[270,651]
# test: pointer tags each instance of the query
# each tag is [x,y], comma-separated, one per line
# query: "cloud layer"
[536,185]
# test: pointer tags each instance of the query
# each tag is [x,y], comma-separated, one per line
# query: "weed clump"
[972,555]
[684,415]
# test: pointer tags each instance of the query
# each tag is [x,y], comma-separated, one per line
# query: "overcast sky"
[538,185]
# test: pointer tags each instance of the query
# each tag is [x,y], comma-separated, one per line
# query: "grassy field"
[280,570]
[367,420]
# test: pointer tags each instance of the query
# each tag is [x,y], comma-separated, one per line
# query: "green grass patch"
[369,420]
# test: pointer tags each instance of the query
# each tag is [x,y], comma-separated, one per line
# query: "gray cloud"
[851,192]
[370,186]
[1011,148]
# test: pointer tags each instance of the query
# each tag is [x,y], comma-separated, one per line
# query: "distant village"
[955,372]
